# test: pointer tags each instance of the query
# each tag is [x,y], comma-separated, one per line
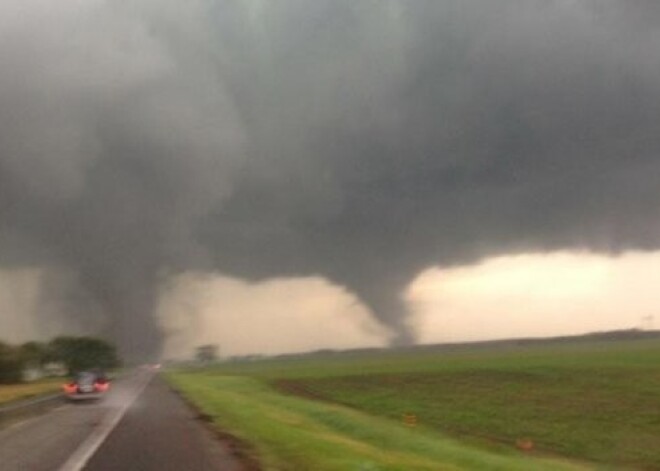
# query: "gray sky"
[360,143]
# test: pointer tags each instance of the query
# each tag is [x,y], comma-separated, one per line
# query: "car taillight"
[101,386]
[70,388]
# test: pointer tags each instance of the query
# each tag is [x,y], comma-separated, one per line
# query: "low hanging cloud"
[361,142]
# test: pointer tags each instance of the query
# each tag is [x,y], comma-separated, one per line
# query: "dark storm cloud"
[114,140]
[362,141]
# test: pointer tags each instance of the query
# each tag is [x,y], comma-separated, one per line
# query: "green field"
[597,404]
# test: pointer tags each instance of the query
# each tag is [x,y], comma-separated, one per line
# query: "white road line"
[86,450]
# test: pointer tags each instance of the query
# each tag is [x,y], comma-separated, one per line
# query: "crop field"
[594,405]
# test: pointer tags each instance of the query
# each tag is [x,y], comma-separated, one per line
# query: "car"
[87,385]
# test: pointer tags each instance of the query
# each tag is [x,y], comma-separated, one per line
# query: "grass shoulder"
[17,392]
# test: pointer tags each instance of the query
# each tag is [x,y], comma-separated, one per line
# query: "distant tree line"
[207,353]
[73,353]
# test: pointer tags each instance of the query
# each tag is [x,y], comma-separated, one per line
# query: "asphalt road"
[141,425]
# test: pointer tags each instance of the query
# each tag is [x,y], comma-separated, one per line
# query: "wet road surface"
[141,425]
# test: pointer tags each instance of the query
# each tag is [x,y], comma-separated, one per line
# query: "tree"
[83,353]
[34,354]
[207,353]
[11,364]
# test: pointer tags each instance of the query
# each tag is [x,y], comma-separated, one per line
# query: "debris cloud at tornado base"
[360,142]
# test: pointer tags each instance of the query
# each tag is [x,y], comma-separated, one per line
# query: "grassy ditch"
[294,433]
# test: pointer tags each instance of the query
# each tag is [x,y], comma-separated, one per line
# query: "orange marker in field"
[525,444]
[409,420]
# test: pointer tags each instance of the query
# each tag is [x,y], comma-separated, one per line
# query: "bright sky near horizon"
[511,296]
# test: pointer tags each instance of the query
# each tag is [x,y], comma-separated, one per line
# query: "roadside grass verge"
[16,392]
[293,433]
